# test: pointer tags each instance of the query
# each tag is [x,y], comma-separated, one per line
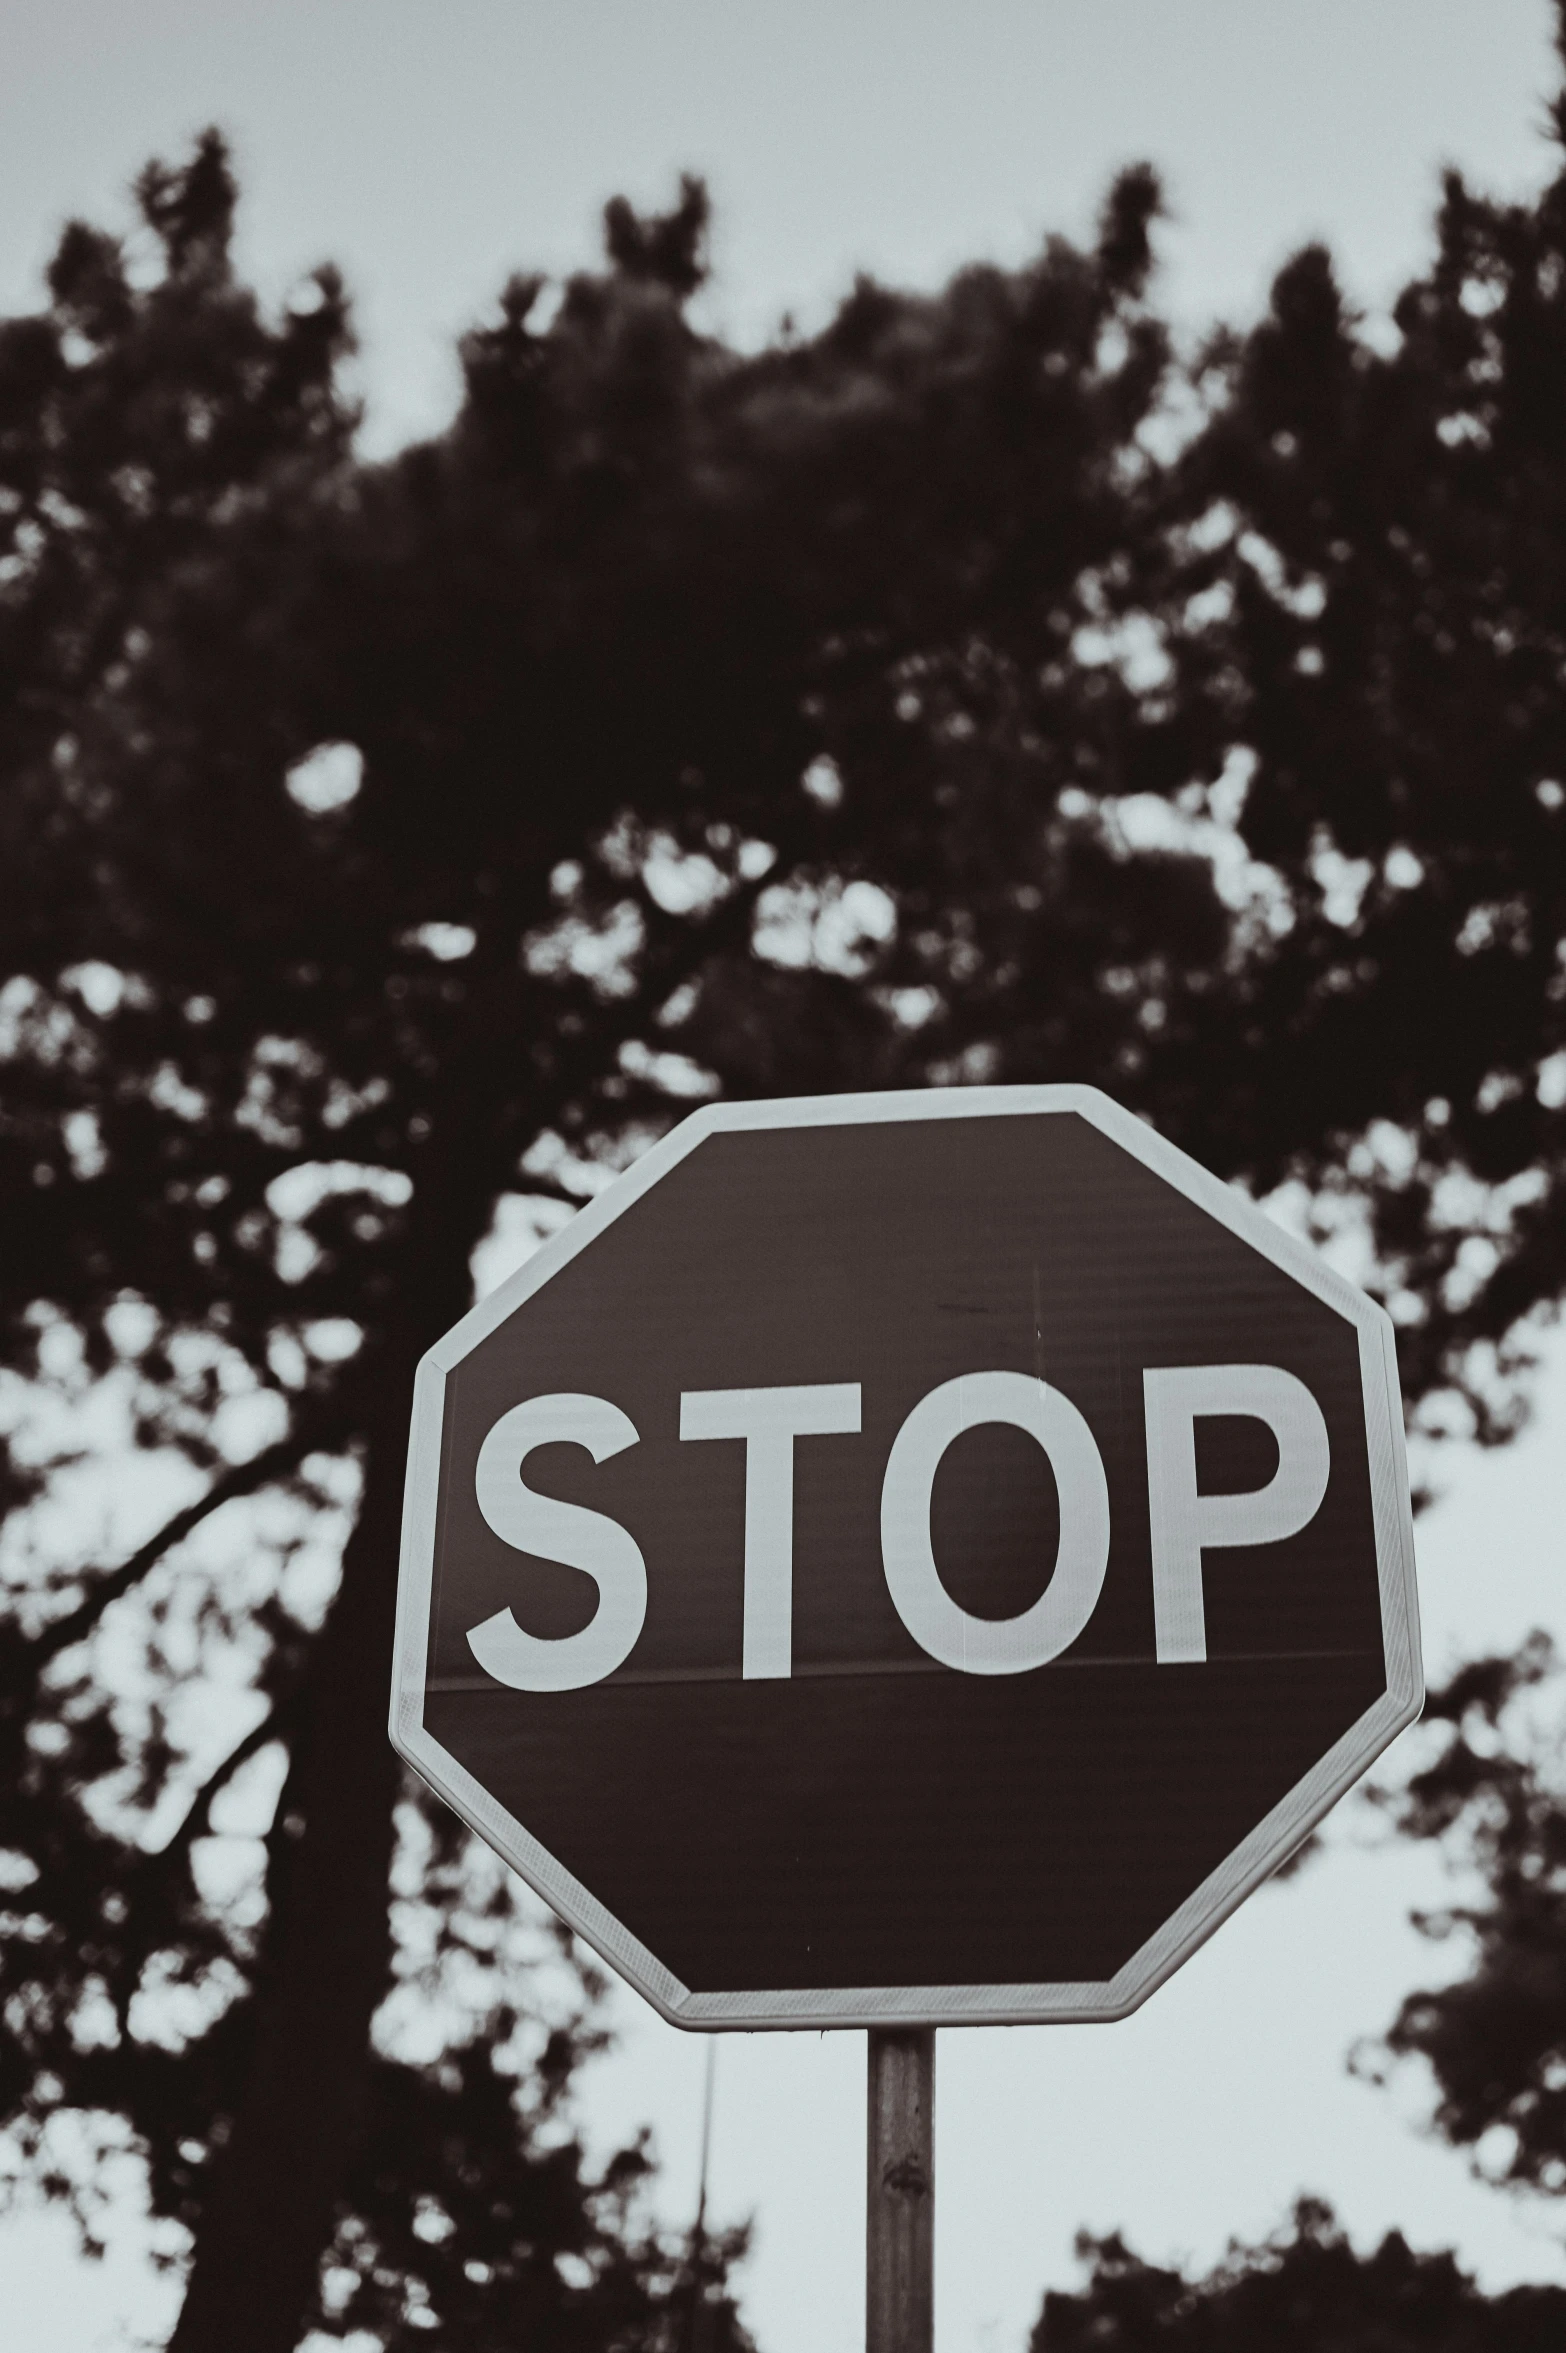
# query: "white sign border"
[1256,1856]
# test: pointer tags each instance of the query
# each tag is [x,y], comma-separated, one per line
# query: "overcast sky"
[432,149]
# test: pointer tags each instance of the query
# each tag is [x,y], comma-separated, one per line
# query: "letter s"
[565,1532]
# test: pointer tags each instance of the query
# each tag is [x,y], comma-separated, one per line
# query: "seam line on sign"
[827,1668]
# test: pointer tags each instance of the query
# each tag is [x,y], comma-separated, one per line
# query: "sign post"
[906,1560]
[900,2191]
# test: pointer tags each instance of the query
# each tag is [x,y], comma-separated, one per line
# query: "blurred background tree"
[1494,1794]
[964,693]
[1304,2290]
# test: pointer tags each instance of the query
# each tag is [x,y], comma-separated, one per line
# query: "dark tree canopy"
[1380,633]
[390,849]
[1494,1794]
[1304,2291]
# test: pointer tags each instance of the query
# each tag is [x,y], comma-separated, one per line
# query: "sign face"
[906,1558]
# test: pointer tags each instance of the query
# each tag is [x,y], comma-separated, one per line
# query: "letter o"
[994,1646]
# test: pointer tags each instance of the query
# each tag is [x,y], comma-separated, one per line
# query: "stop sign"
[908,1557]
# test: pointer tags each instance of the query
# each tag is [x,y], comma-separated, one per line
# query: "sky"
[430,151]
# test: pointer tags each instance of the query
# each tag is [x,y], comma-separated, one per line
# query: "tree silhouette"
[188,1018]
[388,850]
[383,843]
[1297,2293]
[1378,586]
[1495,2038]
[1376,626]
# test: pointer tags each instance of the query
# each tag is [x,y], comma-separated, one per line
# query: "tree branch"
[273,1462]
[270,1728]
[684,948]
[150,1875]
[546,1188]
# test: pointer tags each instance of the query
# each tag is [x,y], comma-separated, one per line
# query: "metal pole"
[900,2193]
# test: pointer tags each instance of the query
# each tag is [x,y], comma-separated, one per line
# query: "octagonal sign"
[907,1557]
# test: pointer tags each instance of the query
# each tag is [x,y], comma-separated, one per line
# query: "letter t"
[769,1420]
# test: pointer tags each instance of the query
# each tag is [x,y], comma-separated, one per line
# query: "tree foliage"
[191,1015]
[389,850]
[1299,2292]
[1376,626]
[1494,1794]
[387,843]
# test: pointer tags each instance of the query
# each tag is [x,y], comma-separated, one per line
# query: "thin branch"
[724,924]
[273,1462]
[257,1738]
[149,1880]
[544,1188]
[684,949]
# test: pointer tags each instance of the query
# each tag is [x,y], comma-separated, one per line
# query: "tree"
[388,847]
[1376,621]
[170,462]
[1495,2038]
[382,844]
[1374,546]
[1297,2293]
